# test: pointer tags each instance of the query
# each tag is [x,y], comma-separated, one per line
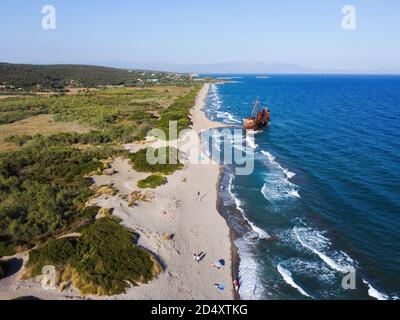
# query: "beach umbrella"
[218,263]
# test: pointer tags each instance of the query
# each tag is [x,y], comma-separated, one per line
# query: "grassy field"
[41,124]
[123,114]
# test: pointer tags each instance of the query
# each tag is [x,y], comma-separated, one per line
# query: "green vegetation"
[45,179]
[18,140]
[179,112]
[58,77]
[116,115]
[152,181]
[10,113]
[102,261]
[6,248]
[43,183]
[43,190]
[167,157]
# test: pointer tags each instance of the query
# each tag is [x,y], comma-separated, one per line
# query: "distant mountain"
[236,67]
[227,67]
[245,67]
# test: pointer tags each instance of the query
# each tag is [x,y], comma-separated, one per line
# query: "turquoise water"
[323,200]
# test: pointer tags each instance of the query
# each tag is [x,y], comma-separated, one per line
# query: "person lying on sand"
[219,286]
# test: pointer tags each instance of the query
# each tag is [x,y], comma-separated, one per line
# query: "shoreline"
[233,235]
[235,259]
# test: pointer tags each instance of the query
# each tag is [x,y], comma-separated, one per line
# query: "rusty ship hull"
[258,119]
[253,124]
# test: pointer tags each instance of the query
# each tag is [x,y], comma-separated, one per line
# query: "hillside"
[27,76]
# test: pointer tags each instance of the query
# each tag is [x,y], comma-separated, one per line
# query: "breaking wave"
[250,139]
[273,162]
[261,234]
[374,293]
[316,242]
[287,276]
[249,274]
[277,185]
[227,117]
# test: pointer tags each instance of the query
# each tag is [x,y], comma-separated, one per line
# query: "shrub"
[18,140]
[139,196]
[6,249]
[59,253]
[43,191]
[104,260]
[168,156]
[152,181]
[105,212]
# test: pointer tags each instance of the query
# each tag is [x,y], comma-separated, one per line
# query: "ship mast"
[255,109]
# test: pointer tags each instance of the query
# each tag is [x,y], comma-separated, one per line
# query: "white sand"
[175,209]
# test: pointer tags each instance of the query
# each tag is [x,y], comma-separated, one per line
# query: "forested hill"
[27,76]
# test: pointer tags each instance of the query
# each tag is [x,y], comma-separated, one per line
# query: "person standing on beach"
[198,258]
[195,257]
[236,285]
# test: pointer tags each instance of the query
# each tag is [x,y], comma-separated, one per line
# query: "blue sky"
[306,32]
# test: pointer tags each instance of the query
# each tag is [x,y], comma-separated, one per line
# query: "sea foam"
[374,293]
[287,276]
[260,232]
[227,117]
[316,242]
[248,272]
[250,139]
[277,184]
[273,162]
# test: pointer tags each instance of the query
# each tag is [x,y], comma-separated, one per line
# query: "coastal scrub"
[103,261]
[179,111]
[152,181]
[168,158]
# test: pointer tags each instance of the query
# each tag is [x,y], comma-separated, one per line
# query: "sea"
[319,215]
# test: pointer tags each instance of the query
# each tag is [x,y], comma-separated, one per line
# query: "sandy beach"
[174,221]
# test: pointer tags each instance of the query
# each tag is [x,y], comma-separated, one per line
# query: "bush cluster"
[104,260]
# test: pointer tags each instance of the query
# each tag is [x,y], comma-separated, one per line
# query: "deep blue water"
[324,198]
